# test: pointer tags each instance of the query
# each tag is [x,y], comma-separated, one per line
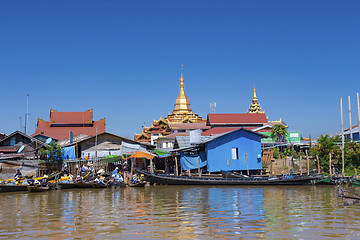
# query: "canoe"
[98,185]
[138,184]
[84,184]
[64,185]
[184,180]
[38,188]
[12,188]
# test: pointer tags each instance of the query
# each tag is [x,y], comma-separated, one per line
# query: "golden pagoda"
[182,112]
[255,106]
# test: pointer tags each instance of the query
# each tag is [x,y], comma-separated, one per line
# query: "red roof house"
[61,123]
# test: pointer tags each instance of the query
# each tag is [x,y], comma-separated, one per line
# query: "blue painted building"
[228,151]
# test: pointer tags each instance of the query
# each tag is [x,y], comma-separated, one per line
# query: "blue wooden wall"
[219,155]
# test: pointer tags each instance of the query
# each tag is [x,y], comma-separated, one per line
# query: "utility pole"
[358,108]
[27,111]
[342,138]
[350,122]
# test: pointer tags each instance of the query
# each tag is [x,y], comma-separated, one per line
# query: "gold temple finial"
[255,106]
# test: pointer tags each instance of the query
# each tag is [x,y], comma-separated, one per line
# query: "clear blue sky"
[123,58]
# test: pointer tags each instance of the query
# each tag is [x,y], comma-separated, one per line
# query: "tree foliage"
[279,132]
[53,153]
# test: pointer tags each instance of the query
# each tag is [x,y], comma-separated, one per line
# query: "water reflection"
[179,212]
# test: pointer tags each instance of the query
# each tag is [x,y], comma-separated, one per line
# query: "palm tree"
[279,132]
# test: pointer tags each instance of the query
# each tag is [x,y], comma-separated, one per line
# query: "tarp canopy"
[167,155]
[192,161]
[160,153]
[111,159]
[141,154]
[69,152]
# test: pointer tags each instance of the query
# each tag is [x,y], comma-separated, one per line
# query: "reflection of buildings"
[182,114]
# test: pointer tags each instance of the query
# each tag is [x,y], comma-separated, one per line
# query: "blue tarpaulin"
[191,161]
[69,152]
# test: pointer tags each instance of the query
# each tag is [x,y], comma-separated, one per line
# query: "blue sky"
[123,59]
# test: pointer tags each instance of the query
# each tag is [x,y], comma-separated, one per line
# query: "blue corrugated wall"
[219,157]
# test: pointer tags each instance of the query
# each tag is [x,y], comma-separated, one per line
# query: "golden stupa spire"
[182,103]
[255,106]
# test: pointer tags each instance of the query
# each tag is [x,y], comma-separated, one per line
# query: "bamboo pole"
[247,163]
[199,170]
[318,163]
[151,164]
[350,122]
[308,163]
[176,167]
[342,138]
[330,164]
[301,170]
[271,163]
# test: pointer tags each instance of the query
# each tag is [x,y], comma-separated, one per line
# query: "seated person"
[18,174]
[45,181]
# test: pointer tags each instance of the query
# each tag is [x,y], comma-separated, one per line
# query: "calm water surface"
[180,212]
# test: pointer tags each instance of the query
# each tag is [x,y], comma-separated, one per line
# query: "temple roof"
[236,118]
[71,117]
[255,106]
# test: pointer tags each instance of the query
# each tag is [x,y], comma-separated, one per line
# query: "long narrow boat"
[84,184]
[184,180]
[65,185]
[12,188]
[138,184]
[38,188]
[98,185]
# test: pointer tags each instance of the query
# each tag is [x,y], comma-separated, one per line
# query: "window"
[182,130]
[235,153]
[164,145]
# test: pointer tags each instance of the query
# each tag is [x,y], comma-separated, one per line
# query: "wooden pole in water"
[318,163]
[301,170]
[308,163]
[330,164]
[151,164]
[132,167]
[247,164]
[199,170]
[342,138]
[271,163]
[176,167]
[350,122]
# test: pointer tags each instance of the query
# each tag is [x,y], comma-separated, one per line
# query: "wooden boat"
[84,184]
[12,188]
[64,185]
[98,185]
[138,184]
[38,188]
[184,180]
[348,194]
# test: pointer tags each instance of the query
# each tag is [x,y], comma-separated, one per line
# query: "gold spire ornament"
[182,103]
[255,106]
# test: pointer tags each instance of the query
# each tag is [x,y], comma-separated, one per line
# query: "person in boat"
[78,178]
[65,168]
[84,170]
[45,181]
[18,174]
[36,182]
[135,178]
[125,170]
[92,169]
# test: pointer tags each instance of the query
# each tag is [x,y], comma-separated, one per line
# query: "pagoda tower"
[255,106]
[182,112]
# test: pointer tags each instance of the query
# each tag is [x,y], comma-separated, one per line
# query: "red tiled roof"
[216,131]
[61,133]
[189,125]
[71,117]
[236,118]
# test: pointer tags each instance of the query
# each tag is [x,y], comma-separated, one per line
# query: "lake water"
[180,212]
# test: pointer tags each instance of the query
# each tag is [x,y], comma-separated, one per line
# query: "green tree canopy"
[53,153]
[279,132]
